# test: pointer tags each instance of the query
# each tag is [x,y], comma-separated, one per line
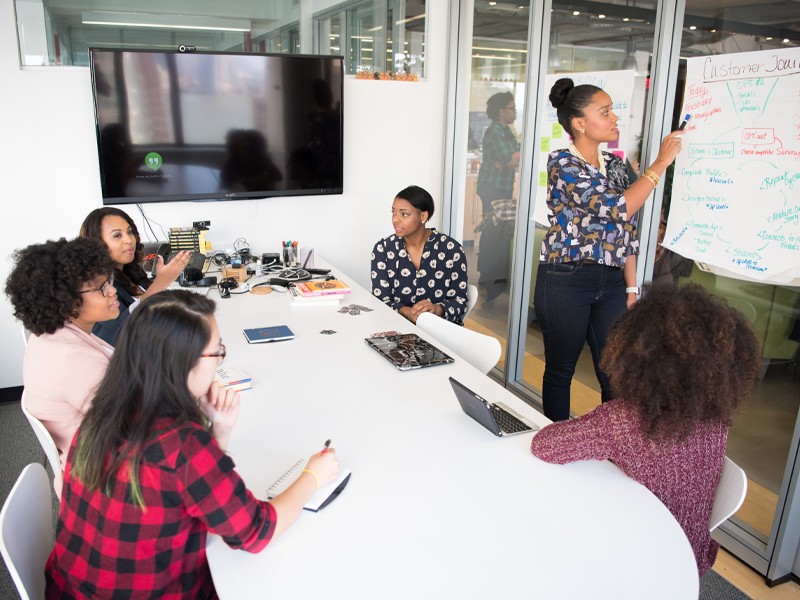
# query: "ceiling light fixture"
[165,21]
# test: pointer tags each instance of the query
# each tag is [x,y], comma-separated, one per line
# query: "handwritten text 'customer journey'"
[736,189]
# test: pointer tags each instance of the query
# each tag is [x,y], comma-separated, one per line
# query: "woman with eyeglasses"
[60,290]
[499,164]
[147,477]
[119,233]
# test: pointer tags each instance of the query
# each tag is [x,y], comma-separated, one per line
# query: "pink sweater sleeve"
[585,438]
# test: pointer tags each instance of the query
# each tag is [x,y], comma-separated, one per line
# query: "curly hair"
[44,285]
[133,274]
[681,356]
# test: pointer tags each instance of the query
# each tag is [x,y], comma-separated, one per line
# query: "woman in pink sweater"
[680,363]
[59,290]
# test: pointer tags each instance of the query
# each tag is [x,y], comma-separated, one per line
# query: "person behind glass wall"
[499,163]
[60,290]
[416,269]
[117,230]
[587,271]
[149,460]
[681,362]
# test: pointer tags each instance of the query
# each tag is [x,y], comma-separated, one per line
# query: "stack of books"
[187,238]
[233,378]
[316,293]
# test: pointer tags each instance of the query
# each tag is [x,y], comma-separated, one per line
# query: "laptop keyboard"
[508,423]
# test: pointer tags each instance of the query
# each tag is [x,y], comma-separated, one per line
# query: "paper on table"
[321,498]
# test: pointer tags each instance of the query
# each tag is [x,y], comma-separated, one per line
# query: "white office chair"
[481,351]
[25,335]
[48,445]
[472,298]
[26,531]
[730,494]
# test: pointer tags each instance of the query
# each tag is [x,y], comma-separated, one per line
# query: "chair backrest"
[730,494]
[481,351]
[472,298]
[49,446]
[26,531]
[25,335]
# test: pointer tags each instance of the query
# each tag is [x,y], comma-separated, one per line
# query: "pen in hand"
[685,121]
[325,449]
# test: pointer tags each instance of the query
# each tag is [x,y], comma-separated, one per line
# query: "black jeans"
[575,302]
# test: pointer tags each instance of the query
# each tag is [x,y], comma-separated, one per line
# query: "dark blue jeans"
[575,302]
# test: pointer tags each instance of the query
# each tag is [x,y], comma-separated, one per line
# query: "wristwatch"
[632,290]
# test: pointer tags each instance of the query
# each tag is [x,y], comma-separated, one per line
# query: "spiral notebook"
[324,496]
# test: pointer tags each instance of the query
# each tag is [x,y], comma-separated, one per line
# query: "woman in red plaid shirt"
[147,475]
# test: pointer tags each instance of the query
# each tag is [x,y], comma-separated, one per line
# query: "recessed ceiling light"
[601,16]
[576,12]
[492,3]
[785,40]
[769,39]
[692,27]
[626,19]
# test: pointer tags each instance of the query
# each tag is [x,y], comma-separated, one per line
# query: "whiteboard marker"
[685,121]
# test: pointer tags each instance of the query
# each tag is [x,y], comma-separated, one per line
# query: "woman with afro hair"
[59,290]
[681,361]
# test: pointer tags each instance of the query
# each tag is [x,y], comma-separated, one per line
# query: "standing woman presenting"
[588,255]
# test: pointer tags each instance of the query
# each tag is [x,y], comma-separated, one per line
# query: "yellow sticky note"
[544,145]
[558,130]
[542,178]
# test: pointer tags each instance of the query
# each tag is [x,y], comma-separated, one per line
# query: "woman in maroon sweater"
[680,363]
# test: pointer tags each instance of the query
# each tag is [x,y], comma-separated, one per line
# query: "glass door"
[760,440]
[490,169]
[608,45]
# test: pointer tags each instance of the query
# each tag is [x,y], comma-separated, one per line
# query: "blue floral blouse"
[589,219]
[442,274]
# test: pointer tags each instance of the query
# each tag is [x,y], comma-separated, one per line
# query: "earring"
[582,130]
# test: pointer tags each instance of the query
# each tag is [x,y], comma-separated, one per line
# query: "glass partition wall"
[637,52]
[373,35]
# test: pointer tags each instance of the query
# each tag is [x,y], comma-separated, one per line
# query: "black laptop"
[497,418]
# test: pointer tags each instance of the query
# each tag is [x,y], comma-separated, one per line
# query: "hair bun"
[559,91]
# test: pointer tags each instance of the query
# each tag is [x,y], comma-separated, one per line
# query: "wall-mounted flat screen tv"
[177,126]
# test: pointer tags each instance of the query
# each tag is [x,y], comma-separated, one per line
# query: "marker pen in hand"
[685,121]
[325,449]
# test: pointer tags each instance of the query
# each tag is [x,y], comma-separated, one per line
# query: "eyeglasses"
[108,284]
[219,354]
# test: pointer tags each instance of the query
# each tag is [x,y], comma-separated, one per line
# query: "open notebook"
[324,496]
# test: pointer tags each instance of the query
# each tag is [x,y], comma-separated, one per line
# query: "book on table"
[233,378]
[260,335]
[329,287]
[327,300]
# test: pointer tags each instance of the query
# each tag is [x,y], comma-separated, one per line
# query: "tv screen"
[195,126]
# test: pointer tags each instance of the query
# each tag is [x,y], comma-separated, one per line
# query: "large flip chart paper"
[736,192]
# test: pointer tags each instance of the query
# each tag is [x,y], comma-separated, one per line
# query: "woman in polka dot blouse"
[417,269]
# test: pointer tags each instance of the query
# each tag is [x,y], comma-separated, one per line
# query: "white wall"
[393,137]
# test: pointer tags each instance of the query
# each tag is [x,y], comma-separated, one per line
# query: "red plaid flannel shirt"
[109,547]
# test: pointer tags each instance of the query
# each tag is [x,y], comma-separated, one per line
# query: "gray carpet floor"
[19,447]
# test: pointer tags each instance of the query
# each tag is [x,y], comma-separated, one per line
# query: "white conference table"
[437,507]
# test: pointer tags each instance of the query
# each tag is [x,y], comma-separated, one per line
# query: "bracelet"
[651,176]
[313,474]
[632,290]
